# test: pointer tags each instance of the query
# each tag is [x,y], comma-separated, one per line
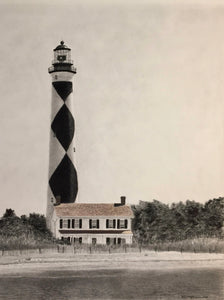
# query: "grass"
[199,245]
[23,242]
[209,245]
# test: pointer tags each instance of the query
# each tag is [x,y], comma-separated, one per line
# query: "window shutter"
[80,223]
[61,223]
[126,223]
[114,223]
[90,223]
[98,223]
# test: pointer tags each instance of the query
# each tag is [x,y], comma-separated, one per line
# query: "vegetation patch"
[23,232]
[156,222]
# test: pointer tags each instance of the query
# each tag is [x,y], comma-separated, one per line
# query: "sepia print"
[112,138]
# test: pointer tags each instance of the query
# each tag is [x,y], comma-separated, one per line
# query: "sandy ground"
[141,261]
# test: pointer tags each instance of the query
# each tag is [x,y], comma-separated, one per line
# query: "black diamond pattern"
[63,181]
[63,88]
[63,126]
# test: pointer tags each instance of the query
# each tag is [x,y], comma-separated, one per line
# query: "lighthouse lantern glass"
[62,55]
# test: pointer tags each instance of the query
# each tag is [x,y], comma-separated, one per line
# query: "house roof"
[92,209]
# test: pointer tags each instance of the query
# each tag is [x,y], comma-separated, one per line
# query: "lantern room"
[62,60]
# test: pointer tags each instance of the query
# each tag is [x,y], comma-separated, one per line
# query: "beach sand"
[146,275]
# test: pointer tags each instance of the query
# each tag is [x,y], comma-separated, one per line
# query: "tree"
[155,221]
[38,223]
[214,216]
[9,213]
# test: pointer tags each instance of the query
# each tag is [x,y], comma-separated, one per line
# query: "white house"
[93,223]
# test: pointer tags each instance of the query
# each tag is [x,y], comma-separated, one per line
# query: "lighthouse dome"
[62,46]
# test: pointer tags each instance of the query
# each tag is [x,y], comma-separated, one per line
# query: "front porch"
[97,238]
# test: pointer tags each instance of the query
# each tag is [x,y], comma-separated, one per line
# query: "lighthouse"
[62,183]
[72,222]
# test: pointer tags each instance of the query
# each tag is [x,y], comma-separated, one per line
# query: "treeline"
[23,232]
[159,222]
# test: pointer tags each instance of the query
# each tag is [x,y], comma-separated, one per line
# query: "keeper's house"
[93,223]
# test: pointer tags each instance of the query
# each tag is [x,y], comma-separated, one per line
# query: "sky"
[148,99]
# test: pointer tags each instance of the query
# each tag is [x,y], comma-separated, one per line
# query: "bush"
[24,232]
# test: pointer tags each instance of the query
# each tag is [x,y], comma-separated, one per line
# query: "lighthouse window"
[61,57]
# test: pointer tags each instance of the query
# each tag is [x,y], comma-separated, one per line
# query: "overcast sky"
[149,104]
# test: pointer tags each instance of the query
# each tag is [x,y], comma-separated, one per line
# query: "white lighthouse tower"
[63,183]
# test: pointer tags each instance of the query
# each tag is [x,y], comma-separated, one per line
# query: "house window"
[77,240]
[119,241]
[76,223]
[122,224]
[94,223]
[61,223]
[110,223]
[65,223]
[108,241]
[93,241]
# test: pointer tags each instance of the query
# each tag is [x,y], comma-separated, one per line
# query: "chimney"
[58,200]
[123,200]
